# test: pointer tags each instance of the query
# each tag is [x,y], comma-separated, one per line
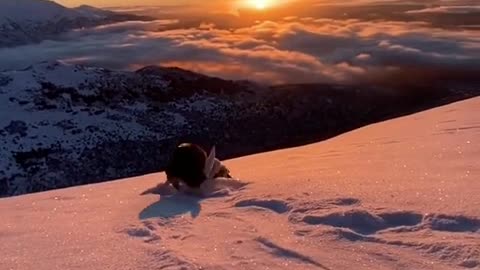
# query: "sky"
[126,3]
[110,3]
[359,41]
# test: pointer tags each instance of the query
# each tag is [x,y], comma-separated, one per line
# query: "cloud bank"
[448,9]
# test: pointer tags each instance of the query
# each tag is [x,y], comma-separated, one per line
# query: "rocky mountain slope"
[30,21]
[64,125]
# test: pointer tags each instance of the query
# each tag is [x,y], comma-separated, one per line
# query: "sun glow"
[259,4]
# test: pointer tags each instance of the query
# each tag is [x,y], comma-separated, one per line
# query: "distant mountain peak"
[22,10]
[19,27]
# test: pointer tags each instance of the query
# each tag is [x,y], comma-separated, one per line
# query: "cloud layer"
[294,49]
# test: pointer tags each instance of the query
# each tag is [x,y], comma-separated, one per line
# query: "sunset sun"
[259,4]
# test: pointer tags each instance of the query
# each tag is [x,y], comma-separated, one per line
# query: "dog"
[190,166]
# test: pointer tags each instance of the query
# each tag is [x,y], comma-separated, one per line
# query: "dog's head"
[190,165]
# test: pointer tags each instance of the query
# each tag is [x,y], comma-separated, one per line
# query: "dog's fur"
[188,165]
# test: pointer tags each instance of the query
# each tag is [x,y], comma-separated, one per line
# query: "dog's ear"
[209,164]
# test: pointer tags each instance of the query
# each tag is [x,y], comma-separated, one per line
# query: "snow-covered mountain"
[64,125]
[55,115]
[29,21]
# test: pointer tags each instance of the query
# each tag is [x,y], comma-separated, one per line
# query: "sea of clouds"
[362,41]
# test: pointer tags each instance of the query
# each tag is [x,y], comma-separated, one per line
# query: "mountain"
[64,125]
[401,194]
[55,115]
[30,21]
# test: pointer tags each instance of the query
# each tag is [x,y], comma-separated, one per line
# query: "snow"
[401,194]
[25,82]
[21,11]
[31,21]
[64,75]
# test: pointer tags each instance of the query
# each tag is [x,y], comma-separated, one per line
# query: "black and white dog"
[189,167]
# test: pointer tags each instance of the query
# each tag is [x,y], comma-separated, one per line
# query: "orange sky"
[216,3]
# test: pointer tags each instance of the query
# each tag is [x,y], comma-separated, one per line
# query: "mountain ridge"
[18,27]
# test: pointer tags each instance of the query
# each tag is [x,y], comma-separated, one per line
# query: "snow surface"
[401,194]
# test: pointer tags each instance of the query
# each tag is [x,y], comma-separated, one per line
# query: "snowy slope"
[401,194]
[27,21]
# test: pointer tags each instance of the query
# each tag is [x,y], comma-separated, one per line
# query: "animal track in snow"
[150,230]
[138,232]
[343,201]
[357,220]
[283,206]
[312,206]
[277,206]
[365,222]
[470,263]
[144,233]
[452,223]
[353,223]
